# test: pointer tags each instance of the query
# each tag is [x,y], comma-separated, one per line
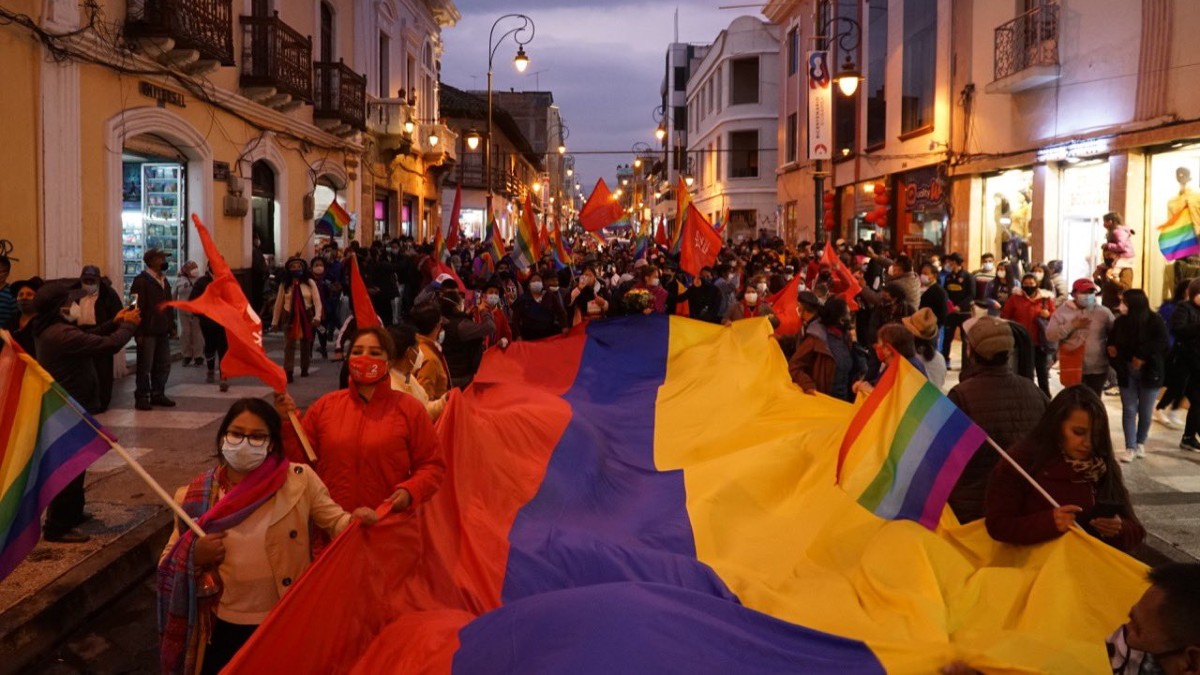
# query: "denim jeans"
[1137,410]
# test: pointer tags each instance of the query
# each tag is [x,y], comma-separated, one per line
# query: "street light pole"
[521,62]
[847,40]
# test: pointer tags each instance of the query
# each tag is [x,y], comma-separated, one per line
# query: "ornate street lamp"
[521,62]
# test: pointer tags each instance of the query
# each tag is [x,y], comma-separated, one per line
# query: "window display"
[1007,209]
[1172,181]
[1084,192]
[154,207]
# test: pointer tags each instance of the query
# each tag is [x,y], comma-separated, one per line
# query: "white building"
[732,113]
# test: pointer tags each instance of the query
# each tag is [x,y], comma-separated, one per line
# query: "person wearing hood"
[298,312]
[69,354]
[21,324]
[465,339]
[191,342]
[154,332]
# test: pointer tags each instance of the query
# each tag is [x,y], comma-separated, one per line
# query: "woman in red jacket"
[1031,310]
[1070,454]
[372,443]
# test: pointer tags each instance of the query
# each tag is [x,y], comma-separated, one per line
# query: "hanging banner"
[820,103]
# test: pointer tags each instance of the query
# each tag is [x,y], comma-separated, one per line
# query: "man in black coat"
[68,353]
[960,289]
[154,333]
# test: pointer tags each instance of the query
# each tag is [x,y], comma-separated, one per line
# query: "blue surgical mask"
[1085,301]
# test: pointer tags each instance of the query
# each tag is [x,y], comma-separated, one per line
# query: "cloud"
[603,60]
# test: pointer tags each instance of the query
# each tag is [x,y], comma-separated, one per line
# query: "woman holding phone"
[1070,454]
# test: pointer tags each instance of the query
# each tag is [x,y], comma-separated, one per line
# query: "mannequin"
[1188,198]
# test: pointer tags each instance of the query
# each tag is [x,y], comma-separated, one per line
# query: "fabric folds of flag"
[601,209]
[1177,237]
[225,303]
[453,236]
[364,311]
[683,199]
[46,440]
[333,221]
[660,234]
[525,252]
[845,285]
[492,243]
[700,243]
[906,447]
[559,251]
[706,536]
[784,304]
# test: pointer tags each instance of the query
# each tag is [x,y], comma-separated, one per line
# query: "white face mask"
[90,289]
[751,298]
[442,337]
[988,267]
[243,457]
[762,288]
[926,280]
[72,313]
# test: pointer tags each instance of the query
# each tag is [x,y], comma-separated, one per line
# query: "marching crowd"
[858,308]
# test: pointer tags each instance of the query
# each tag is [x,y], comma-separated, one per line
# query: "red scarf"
[301,327]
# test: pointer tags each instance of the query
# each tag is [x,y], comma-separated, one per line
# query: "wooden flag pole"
[1037,486]
[139,470]
[308,450]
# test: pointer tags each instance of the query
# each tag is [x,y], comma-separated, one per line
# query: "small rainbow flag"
[525,245]
[906,447]
[1177,238]
[46,440]
[683,199]
[492,243]
[333,222]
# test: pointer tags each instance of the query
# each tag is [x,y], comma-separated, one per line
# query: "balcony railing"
[386,117]
[205,26]
[275,56]
[340,95]
[1027,41]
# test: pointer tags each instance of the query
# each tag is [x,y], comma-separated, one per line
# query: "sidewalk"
[60,585]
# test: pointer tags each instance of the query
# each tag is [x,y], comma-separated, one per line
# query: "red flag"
[846,280]
[700,243]
[784,305]
[601,209]
[224,303]
[660,234]
[364,311]
[455,214]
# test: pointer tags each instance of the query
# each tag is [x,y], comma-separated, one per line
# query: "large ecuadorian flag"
[653,495]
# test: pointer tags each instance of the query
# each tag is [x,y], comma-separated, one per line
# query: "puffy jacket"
[812,365]
[1006,406]
[1060,330]
[1120,242]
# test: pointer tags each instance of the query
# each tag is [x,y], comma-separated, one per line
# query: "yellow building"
[126,118]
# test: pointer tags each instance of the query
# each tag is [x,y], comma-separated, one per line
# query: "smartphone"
[133,300]
[1106,509]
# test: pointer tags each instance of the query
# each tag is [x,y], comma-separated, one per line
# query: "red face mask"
[367,369]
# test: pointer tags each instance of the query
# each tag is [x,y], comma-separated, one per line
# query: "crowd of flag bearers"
[285,482]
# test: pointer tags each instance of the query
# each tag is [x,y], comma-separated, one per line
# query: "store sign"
[820,103]
[1075,150]
[925,188]
[162,95]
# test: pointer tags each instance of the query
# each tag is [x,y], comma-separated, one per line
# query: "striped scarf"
[185,617]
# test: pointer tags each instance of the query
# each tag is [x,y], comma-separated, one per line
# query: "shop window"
[877,43]
[1084,201]
[919,65]
[1172,188]
[743,154]
[1007,210]
[789,138]
[743,81]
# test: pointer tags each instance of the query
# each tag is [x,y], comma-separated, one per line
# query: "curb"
[36,625]
[1156,551]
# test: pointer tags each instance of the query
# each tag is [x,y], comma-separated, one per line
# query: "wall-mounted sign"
[820,101]
[1075,150]
[220,170]
[162,95]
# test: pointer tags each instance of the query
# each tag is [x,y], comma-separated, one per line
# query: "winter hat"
[923,324]
[990,336]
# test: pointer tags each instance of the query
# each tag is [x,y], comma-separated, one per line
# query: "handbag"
[1070,365]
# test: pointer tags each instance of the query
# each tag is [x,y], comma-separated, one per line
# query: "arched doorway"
[262,208]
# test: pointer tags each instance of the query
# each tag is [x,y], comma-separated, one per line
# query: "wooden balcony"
[277,67]
[1026,51]
[340,98]
[195,35]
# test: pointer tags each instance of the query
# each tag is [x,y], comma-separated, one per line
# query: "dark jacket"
[704,302]
[464,343]
[66,351]
[156,320]
[934,297]
[1185,327]
[1019,514]
[1006,406]
[1147,342]
[960,289]
[537,319]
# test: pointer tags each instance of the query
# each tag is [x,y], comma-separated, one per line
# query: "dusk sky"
[602,59]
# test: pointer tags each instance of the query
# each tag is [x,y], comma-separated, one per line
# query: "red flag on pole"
[601,209]
[452,237]
[364,311]
[700,243]
[660,234]
[784,304]
[848,285]
[225,303]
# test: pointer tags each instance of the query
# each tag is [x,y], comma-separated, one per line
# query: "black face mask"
[163,266]
[1029,290]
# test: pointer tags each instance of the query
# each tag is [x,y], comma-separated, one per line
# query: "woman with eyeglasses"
[256,509]
[373,443]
